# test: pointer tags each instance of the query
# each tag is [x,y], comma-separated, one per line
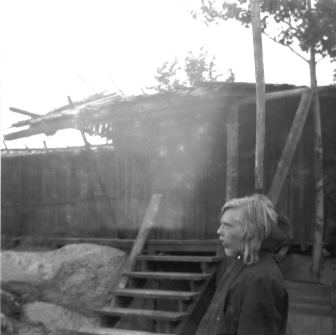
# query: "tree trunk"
[318,167]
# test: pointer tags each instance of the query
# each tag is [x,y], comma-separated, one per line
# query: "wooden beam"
[260,94]
[45,146]
[71,104]
[302,191]
[21,111]
[40,129]
[290,146]
[190,245]
[4,142]
[319,190]
[140,241]
[232,152]
[274,96]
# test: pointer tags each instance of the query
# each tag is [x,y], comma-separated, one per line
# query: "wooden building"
[174,144]
[196,148]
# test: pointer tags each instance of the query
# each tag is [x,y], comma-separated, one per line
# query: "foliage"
[173,74]
[295,26]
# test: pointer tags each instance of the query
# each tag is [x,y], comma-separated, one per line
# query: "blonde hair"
[258,218]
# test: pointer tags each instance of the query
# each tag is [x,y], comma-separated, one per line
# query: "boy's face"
[231,232]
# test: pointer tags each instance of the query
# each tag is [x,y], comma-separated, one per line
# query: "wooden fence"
[58,194]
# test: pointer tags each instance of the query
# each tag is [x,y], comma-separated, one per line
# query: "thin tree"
[308,31]
[173,75]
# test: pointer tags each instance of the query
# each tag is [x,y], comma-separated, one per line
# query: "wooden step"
[315,299]
[174,258]
[310,308]
[307,287]
[158,315]
[168,275]
[114,331]
[182,295]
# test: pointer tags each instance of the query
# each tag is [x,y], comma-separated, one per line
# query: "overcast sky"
[46,46]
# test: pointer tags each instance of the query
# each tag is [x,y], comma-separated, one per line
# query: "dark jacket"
[250,299]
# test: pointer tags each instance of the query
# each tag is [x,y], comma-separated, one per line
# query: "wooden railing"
[140,241]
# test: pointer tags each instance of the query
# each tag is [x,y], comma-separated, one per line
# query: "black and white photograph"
[168,167]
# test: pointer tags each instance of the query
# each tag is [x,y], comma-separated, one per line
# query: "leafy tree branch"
[173,75]
[288,46]
[293,22]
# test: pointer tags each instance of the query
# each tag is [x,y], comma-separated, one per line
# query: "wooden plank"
[232,152]
[23,112]
[297,296]
[260,94]
[111,331]
[290,147]
[192,243]
[125,244]
[319,189]
[47,129]
[4,142]
[194,302]
[273,96]
[197,259]
[302,191]
[169,275]
[139,243]
[310,309]
[160,315]
[191,246]
[162,294]
[188,247]
[292,198]
[321,289]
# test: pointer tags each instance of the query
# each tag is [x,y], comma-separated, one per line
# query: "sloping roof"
[96,114]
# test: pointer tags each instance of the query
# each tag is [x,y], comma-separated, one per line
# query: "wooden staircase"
[168,293]
[160,287]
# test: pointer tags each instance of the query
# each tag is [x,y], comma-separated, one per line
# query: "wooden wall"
[182,156]
[59,194]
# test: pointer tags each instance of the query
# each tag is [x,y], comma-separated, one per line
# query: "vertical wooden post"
[319,189]
[231,169]
[260,94]
[71,104]
[232,152]
[45,146]
[318,163]
[302,191]
[292,194]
